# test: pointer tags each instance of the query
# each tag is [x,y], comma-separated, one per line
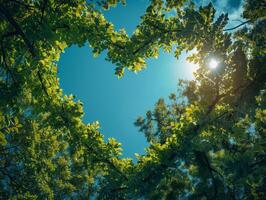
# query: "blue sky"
[116,103]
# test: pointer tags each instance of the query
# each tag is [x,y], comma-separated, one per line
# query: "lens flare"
[213,63]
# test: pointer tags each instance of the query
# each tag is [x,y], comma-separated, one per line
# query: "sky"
[116,103]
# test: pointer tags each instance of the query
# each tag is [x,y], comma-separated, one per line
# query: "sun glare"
[191,68]
[213,63]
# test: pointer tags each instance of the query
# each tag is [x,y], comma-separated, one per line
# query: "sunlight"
[191,67]
[213,63]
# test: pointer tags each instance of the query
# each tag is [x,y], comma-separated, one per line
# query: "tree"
[208,143]
[47,152]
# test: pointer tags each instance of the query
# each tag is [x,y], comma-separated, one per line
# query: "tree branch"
[30,47]
[8,34]
[43,10]
[110,163]
[42,83]
[243,23]
[5,62]
[201,155]
[29,7]
[164,31]
[10,19]
[119,189]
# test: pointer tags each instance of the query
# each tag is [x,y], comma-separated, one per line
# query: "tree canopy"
[207,143]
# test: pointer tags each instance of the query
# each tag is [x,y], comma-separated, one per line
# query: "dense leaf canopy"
[207,143]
